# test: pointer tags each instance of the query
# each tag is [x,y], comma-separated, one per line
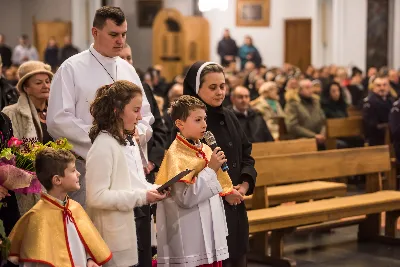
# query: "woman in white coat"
[115,179]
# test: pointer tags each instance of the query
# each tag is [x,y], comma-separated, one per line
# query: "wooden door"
[168,42]
[45,29]
[298,42]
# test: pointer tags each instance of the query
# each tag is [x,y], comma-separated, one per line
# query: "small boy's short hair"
[180,108]
[50,162]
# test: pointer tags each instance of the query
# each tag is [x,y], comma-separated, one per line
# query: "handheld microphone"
[210,140]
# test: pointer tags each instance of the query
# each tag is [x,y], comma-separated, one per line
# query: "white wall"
[183,6]
[141,39]
[10,20]
[43,10]
[396,35]
[16,16]
[268,40]
[349,33]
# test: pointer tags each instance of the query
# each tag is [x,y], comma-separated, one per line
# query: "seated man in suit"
[251,121]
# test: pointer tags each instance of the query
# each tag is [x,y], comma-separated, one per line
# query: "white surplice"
[191,224]
[73,89]
[78,251]
[136,171]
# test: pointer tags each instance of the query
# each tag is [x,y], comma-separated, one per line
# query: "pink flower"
[153,263]
[14,142]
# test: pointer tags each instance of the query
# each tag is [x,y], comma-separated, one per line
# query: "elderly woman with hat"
[28,115]
[268,105]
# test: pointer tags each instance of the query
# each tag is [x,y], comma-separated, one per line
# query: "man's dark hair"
[108,12]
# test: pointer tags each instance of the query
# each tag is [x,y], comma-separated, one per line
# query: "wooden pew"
[283,147]
[281,220]
[294,192]
[343,127]
[353,127]
[354,112]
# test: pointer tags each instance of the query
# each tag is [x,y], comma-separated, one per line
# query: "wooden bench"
[343,127]
[294,192]
[275,170]
[354,127]
[354,112]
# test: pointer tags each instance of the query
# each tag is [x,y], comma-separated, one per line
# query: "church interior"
[327,190]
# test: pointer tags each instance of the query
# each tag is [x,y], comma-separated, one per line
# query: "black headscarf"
[191,84]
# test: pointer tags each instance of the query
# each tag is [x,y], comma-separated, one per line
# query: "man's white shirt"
[73,89]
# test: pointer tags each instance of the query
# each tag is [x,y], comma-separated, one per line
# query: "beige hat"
[30,68]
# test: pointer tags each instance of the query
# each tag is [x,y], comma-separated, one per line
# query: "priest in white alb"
[74,86]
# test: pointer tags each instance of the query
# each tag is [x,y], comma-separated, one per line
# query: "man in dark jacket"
[376,111]
[227,49]
[68,50]
[394,125]
[250,120]
[8,94]
[5,53]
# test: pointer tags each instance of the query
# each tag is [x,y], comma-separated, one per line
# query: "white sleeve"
[99,166]
[16,55]
[35,55]
[144,127]
[190,195]
[61,117]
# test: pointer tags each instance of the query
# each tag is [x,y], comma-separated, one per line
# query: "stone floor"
[337,248]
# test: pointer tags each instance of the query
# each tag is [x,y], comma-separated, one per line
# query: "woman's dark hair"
[326,94]
[107,107]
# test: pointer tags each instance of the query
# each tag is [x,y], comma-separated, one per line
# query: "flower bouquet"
[17,171]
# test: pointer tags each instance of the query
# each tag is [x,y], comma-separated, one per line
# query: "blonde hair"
[266,87]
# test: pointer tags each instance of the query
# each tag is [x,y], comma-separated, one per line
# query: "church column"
[93,5]
[79,24]
[395,49]
[338,29]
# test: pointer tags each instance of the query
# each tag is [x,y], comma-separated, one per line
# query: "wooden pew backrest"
[285,169]
[283,147]
[353,112]
[344,127]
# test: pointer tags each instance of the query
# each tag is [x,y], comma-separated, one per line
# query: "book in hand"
[173,180]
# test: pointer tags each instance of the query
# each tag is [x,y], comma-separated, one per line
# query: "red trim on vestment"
[106,260]
[214,264]
[87,247]
[66,214]
[52,201]
[65,218]
[198,150]
[225,194]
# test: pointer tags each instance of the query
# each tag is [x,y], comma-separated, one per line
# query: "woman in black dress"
[206,81]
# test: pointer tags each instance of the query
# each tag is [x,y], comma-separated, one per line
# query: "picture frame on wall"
[147,11]
[253,13]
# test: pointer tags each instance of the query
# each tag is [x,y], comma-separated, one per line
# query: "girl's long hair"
[107,107]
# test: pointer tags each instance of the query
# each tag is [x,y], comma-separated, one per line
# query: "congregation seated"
[357,90]
[173,94]
[376,111]
[304,116]
[250,120]
[332,101]
[269,107]
[394,81]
